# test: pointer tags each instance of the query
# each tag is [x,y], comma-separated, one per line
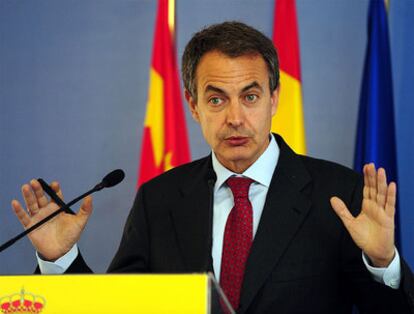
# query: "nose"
[235,114]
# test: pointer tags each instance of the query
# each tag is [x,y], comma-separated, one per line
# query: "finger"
[372,181]
[370,209]
[366,182]
[342,211]
[20,213]
[29,199]
[391,199]
[381,188]
[56,187]
[42,200]
[85,210]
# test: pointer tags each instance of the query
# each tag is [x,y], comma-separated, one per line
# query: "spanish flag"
[165,142]
[288,120]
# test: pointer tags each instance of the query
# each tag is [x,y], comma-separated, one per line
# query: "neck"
[240,166]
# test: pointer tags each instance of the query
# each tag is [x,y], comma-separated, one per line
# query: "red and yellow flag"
[289,121]
[165,142]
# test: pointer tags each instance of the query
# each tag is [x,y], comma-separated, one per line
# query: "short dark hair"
[234,39]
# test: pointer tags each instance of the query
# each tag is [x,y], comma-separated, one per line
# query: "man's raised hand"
[56,237]
[373,229]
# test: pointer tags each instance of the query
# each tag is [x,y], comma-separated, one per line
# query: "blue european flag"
[376,141]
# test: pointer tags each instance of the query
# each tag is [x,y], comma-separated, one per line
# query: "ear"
[274,99]
[192,103]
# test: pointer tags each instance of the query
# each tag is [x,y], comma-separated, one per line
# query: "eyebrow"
[252,85]
[211,88]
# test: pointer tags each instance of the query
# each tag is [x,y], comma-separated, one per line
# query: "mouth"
[236,140]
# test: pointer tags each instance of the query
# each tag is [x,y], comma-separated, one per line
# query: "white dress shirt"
[261,171]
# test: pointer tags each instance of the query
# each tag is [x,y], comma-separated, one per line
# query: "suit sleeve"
[78,266]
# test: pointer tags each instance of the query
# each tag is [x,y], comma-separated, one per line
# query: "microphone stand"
[44,220]
[111,179]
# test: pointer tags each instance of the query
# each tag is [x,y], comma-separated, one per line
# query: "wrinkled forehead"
[219,70]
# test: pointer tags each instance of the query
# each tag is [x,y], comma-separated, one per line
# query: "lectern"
[194,293]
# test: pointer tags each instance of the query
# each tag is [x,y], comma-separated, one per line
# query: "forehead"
[220,70]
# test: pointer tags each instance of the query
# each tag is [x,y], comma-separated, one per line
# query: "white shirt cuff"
[60,265]
[390,276]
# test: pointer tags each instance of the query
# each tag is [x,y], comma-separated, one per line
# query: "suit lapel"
[190,217]
[285,209]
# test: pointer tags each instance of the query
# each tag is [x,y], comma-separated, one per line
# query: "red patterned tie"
[238,237]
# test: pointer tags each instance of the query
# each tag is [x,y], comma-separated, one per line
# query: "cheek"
[211,126]
[209,120]
[207,125]
[258,118]
[260,121]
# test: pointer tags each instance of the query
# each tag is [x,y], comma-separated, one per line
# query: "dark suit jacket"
[302,259]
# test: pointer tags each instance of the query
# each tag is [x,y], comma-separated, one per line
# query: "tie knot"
[239,186]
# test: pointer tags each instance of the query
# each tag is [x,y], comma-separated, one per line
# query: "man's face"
[234,107]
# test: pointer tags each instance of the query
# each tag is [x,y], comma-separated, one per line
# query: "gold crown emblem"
[22,302]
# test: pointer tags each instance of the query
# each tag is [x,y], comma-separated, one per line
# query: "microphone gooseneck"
[111,179]
[54,196]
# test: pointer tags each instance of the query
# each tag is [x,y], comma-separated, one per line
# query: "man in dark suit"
[268,232]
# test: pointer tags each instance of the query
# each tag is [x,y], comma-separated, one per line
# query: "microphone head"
[113,178]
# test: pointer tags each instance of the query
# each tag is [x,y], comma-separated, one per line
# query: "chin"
[238,158]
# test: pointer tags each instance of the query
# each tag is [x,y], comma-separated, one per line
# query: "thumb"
[342,211]
[86,209]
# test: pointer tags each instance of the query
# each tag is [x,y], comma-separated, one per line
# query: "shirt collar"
[261,171]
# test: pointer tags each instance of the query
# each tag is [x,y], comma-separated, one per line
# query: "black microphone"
[111,179]
[211,180]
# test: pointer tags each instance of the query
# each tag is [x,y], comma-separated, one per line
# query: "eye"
[215,101]
[251,97]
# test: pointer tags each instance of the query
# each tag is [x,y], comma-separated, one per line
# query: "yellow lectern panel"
[104,294]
